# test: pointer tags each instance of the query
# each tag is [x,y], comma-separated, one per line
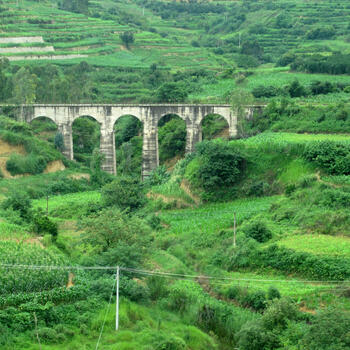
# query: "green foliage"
[125,193]
[258,230]
[32,164]
[172,139]
[58,141]
[98,177]
[329,330]
[79,6]
[306,264]
[172,92]
[158,176]
[333,157]
[19,280]
[127,38]
[43,225]
[171,342]
[18,201]
[253,336]
[86,137]
[273,293]
[126,128]
[107,228]
[216,166]
[212,125]
[25,84]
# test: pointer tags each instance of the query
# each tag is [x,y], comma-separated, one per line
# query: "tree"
[95,166]
[240,99]
[295,89]
[18,201]
[58,141]
[25,84]
[127,38]
[172,92]
[172,139]
[4,80]
[108,228]
[125,193]
[79,6]
[330,330]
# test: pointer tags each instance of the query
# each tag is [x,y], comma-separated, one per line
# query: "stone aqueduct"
[149,115]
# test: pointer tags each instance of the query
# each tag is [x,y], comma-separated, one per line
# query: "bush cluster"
[216,167]
[333,157]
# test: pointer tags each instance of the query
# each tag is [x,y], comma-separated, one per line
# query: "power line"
[167,274]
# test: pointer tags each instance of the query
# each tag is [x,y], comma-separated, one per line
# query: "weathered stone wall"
[149,115]
[22,40]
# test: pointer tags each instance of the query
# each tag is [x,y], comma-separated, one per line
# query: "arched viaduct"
[106,115]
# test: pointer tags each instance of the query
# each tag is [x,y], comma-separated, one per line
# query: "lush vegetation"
[266,213]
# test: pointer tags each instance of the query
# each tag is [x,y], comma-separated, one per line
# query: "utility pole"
[117,302]
[239,40]
[234,229]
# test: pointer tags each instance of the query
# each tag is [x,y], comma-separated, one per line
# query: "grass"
[141,327]
[285,138]
[318,244]
[63,200]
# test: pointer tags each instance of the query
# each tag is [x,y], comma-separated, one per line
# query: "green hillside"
[243,244]
[207,48]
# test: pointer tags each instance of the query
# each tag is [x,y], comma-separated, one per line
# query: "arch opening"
[214,126]
[45,128]
[86,138]
[128,131]
[171,139]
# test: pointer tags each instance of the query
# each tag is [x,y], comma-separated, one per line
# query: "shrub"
[58,141]
[259,231]
[31,164]
[333,157]
[256,300]
[42,224]
[216,165]
[47,335]
[18,201]
[170,342]
[329,330]
[125,193]
[133,290]
[253,336]
[273,293]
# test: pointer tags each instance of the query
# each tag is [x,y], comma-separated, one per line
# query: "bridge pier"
[193,136]
[107,149]
[66,130]
[150,152]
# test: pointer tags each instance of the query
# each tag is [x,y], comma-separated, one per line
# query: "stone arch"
[86,136]
[128,143]
[46,128]
[214,125]
[171,137]
[36,117]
